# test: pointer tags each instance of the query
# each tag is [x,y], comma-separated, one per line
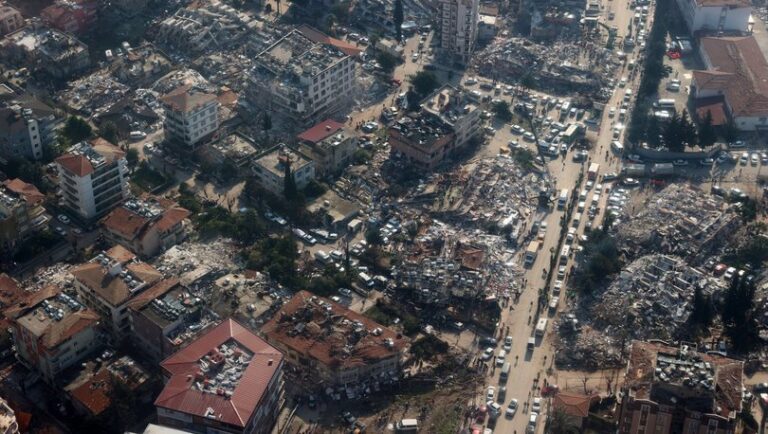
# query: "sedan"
[494,409]
[487,354]
[508,343]
[536,407]
[755,159]
[64,219]
[680,163]
[490,393]
[707,162]
[744,158]
[511,408]
[631,182]
[561,272]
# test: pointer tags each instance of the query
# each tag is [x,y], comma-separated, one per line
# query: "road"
[530,369]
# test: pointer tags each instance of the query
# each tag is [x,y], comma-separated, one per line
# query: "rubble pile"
[588,349]
[94,93]
[679,220]
[201,257]
[57,275]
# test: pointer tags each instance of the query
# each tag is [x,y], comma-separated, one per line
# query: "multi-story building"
[52,331]
[146,226]
[21,212]
[190,115]
[735,81]
[10,19]
[41,48]
[330,145]
[227,381]
[26,128]
[303,78]
[109,282]
[166,318]
[458,28]
[71,16]
[679,390]
[447,122]
[8,423]
[93,178]
[359,349]
[270,168]
[715,15]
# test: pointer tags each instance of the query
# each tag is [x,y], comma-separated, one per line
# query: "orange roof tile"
[572,404]
[171,217]
[29,192]
[76,164]
[319,37]
[124,222]
[186,99]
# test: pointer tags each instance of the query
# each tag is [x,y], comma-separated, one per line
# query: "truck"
[633,169]
[541,327]
[663,169]
[531,252]
[594,169]
[572,133]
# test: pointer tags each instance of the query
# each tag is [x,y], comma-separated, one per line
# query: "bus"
[665,104]
[617,147]
[541,327]
[594,169]
[531,252]
[407,425]
[563,199]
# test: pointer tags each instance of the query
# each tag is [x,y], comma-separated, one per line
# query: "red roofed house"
[737,75]
[21,212]
[227,381]
[146,227]
[93,178]
[52,331]
[330,145]
[334,345]
[573,406]
[71,16]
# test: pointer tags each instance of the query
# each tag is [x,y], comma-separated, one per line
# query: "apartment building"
[71,16]
[191,115]
[735,81]
[26,128]
[52,331]
[305,77]
[679,390]
[146,226]
[712,16]
[458,28]
[41,48]
[227,381]
[330,145]
[93,178]
[447,122]
[10,19]
[109,281]
[21,212]
[360,349]
[270,168]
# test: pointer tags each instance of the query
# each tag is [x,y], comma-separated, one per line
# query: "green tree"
[108,130]
[707,134]
[266,121]
[289,183]
[373,237]
[738,315]
[374,40]
[597,262]
[731,131]
[424,83]
[398,19]
[653,132]
[132,157]
[502,111]
[701,315]
[674,134]
[386,61]
[688,130]
[76,130]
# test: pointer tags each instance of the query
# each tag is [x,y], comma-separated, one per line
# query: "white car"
[536,407]
[508,343]
[490,393]
[612,112]
[501,358]
[511,408]
[581,206]
[487,354]
[494,408]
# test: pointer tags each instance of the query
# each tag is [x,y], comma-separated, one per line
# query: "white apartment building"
[269,169]
[52,331]
[715,15]
[190,115]
[93,178]
[304,78]
[458,20]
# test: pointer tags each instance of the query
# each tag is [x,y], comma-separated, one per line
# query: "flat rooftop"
[51,43]
[274,160]
[449,104]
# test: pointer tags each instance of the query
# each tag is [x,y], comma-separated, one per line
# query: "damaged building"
[50,51]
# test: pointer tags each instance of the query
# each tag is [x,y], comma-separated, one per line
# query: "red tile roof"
[179,395]
[724,3]
[76,164]
[171,217]
[739,71]
[572,404]
[715,106]
[186,99]
[10,291]
[124,222]
[319,37]
[321,131]
[29,192]
[111,288]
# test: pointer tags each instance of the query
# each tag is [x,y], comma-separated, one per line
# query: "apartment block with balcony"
[10,19]
[93,178]
[26,128]
[305,77]
[191,116]
[53,331]
[330,145]
[270,167]
[109,281]
[458,24]
[21,212]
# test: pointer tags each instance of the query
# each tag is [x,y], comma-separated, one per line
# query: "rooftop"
[52,44]
[572,404]
[332,334]
[116,275]
[25,190]
[274,160]
[86,157]
[92,387]
[739,70]
[136,216]
[668,375]
[222,375]
[52,316]
[187,99]
[236,147]
[724,3]
[422,131]
[321,131]
[449,104]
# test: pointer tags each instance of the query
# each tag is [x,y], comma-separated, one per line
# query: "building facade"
[10,19]
[679,390]
[21,212]
[41,48]
[71,16]
[53,331]
[715,15]
[330,145]
[26,128]
[190,115]
[146,227]
[245,399]
[93,178]
[458,28]
[270,168]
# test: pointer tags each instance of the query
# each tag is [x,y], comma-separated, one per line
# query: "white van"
[532,423]
[407,425]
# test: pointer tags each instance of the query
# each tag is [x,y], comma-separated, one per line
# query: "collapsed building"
[50,51]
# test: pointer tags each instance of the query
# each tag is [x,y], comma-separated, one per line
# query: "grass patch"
[147,178]
[378,315]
